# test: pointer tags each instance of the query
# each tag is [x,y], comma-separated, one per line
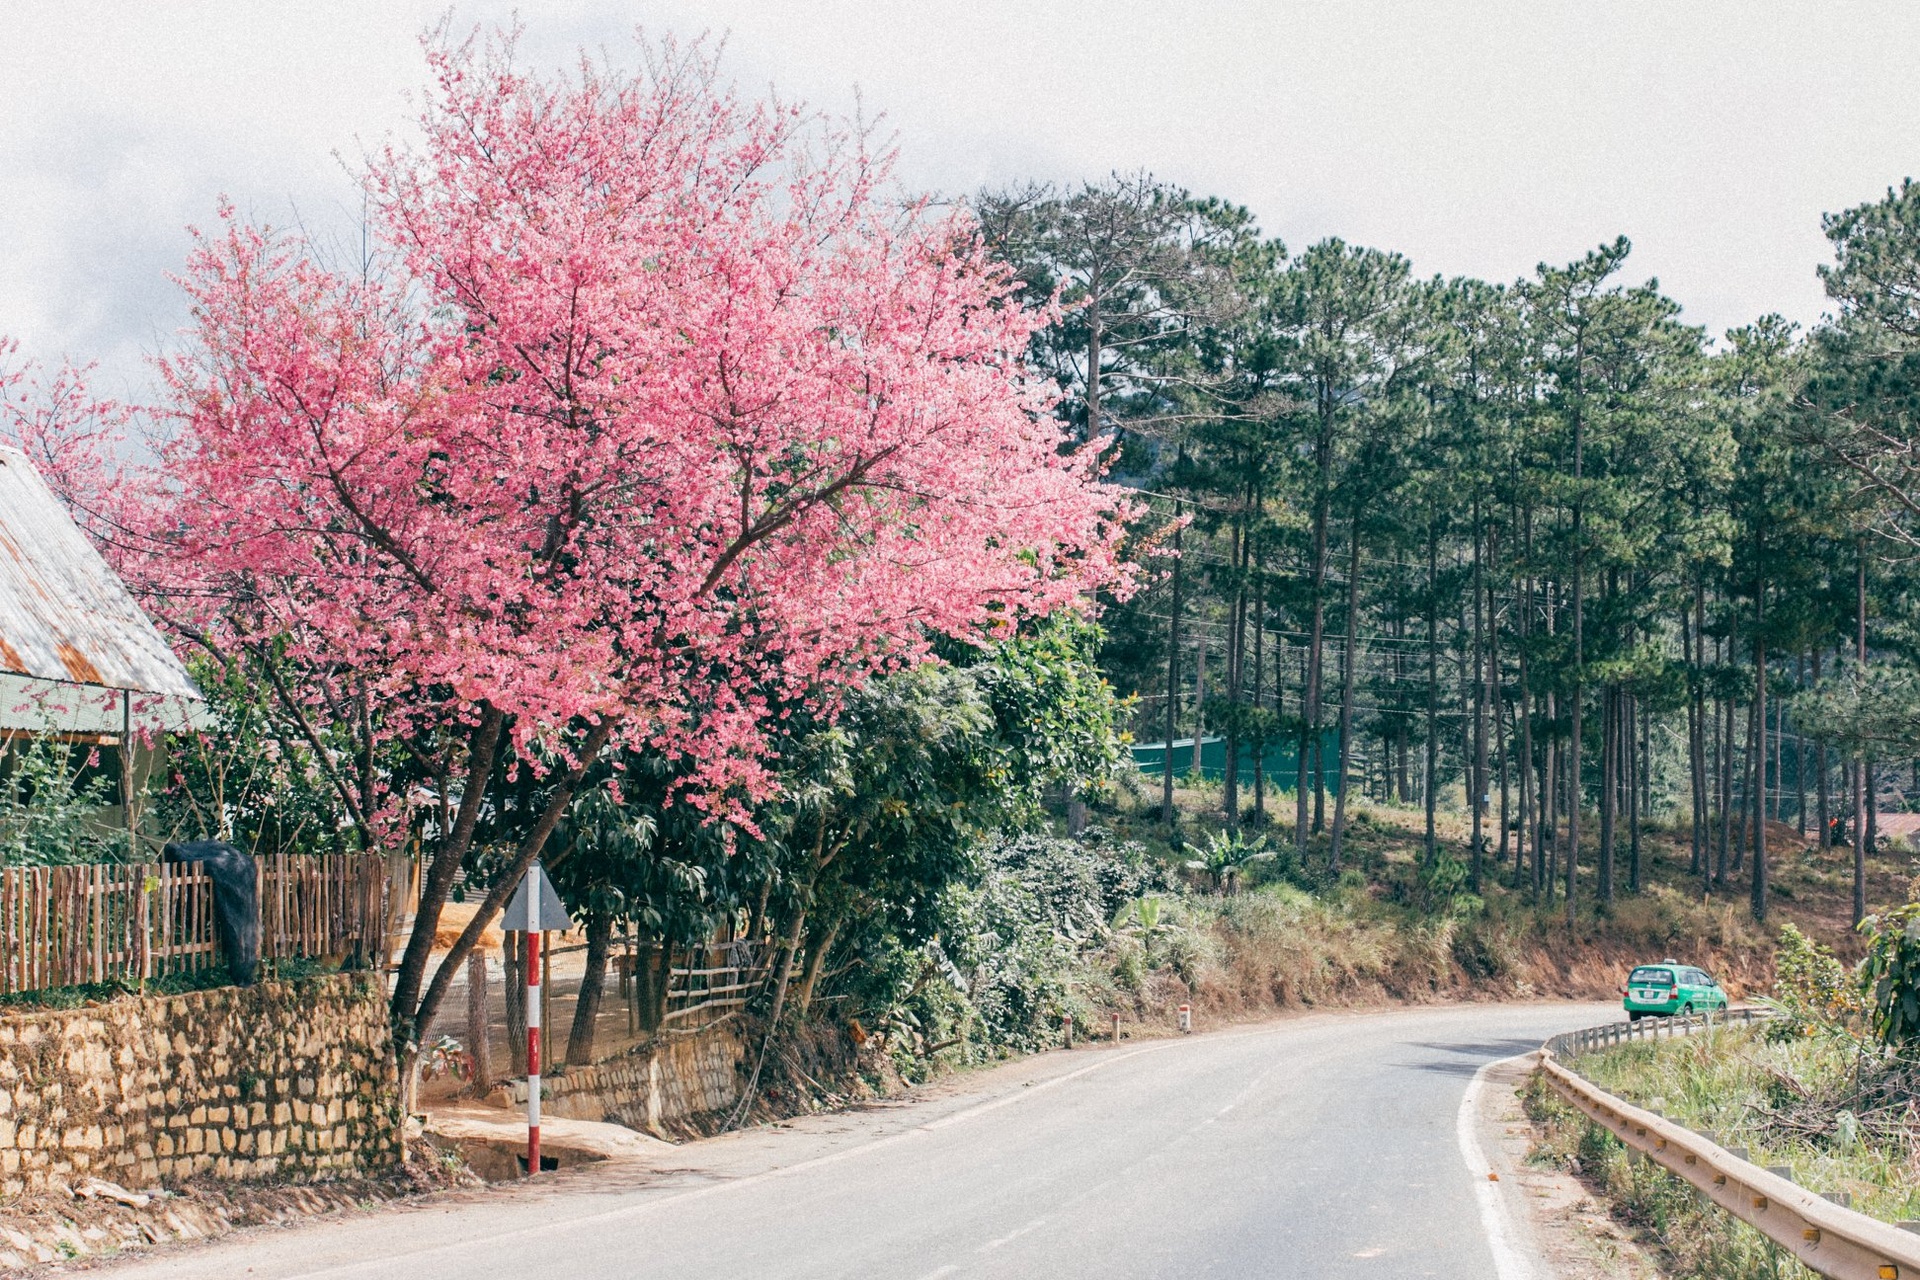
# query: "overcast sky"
[1477,138]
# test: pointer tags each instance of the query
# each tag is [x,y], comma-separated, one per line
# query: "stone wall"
[294,1081]
[660,1084]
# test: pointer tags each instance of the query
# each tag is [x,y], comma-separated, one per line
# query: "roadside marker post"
[1116,1028]
[533,913]
[1186,1019]
[1067,1029]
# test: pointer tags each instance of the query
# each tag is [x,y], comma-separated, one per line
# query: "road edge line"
[1508,1262]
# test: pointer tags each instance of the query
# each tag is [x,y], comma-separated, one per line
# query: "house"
[79,661]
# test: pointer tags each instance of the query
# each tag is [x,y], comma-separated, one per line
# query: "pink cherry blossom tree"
[658,413]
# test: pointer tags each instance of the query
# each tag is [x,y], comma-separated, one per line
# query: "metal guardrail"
[1830,1239]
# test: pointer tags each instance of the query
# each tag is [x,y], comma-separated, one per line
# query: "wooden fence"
[717,979]
[64,926]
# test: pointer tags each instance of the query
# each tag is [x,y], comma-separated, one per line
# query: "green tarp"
[1279,763]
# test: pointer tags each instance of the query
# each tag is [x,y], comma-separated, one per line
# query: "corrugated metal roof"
[64,615]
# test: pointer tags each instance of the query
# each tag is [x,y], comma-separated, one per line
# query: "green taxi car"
[1668,988]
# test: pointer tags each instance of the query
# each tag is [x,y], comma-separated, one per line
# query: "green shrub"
[1891,974]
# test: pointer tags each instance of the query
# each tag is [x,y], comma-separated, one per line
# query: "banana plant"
[1227,854]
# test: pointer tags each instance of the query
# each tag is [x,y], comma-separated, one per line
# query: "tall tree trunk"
[1861,833]
[1698,746]
[1349,669]
[1477,779]
[1579,676]
[1317,625]
[1496,691]
[1723,854]
[1550,807]
[586,1010]
[1527,794]
[1822,780]
[1693,754]
[791,944]
[1800,752]
[1260,753]
[1759,882]
[1173,679]
[1636,768]
[1199,704]
[1433,685]
[1609,786]
[1236,667]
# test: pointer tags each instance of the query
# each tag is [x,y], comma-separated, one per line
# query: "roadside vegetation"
[1829,1089]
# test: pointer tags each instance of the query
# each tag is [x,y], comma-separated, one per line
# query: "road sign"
[553,912]
[534,908]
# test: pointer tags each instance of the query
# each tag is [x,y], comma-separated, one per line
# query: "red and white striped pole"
[530,953]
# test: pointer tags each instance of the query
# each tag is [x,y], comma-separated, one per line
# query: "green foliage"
[1891,974]
[1872,710]
[252,777]
[1445,887]
[1010,951]
[1813,991]
[49,802]
[1227,854]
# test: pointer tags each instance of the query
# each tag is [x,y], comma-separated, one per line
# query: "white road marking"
[383,1266]
[1009,1237]
[1508,1262]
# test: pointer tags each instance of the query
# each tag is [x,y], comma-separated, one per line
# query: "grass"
[170,984]
[1750,1087]
[1695,1238]
[1750,1090]
[1512,944]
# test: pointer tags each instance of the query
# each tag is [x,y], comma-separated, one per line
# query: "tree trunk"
[1260,750]
[479,1025]
[816,962]
[1822,796]
[1199,706]
[1173,680]
[558,802]
[482,749]
[1477,775]
[1759,882]
[1349,668]
[515,989]
[1316,633]
[1527,793]
[1861,834]
[1550,809]
[1609,786]
[1433,685]
[1636,761]
[1496,694]
[788,947]
[1236,653]
[586,1010]
[652,975]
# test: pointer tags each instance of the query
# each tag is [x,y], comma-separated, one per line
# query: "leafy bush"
[1813,991]
[49,805]
[1891,974]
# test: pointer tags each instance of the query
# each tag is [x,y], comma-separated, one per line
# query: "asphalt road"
[1321,1146]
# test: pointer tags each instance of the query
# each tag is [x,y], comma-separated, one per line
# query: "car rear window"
[1646,975]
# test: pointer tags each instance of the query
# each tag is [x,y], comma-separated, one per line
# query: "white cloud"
[1475,137]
